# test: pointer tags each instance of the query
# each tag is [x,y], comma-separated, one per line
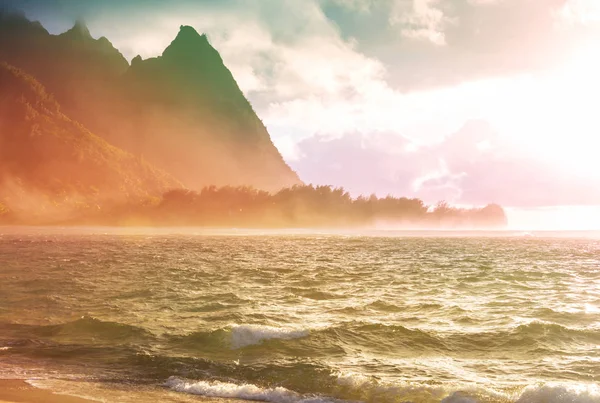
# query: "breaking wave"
[359,389]
[246,335]
[279,318]
[242,391]
[555,393]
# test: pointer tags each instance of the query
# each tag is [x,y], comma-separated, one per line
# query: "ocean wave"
[356,388]
[384,306]
[88,324]
[95,331]
[555,393]
[379,337]
[246,335]
[532,337]
[86,329]
[237,336]
[555,333]
[314,341]
[243,391]
[367,389]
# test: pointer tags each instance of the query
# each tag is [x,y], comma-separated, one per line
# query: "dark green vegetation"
[298,206]
[51,165]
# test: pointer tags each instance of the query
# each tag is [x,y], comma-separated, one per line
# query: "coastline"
[19,391]
[22,391]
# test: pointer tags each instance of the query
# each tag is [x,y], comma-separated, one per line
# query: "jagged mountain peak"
[182,111]
[136,61]
[15,19]
[188,44]
[79,31]
[188,33]
[13,15]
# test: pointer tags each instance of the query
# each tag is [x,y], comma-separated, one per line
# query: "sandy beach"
[20,391]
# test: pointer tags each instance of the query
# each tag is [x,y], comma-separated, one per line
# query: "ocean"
[305,317]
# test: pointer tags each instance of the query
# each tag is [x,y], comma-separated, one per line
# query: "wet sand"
[20,391]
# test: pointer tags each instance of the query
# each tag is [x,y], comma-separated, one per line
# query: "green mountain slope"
[182,111]
[210,124]
[52,165]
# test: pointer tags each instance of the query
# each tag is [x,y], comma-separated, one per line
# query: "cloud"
[456,169]
[586,12]
[363,93]
[481,38]
[420,43]
[420,19]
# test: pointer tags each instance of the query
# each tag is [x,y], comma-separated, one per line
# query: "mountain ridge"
[51,165]
[182,111]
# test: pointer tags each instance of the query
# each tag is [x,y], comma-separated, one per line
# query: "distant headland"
[89,138]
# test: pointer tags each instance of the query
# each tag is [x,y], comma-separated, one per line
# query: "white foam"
[4,348]
[556,393]
[371,389]
[246,335]
[245,391]
[378,390]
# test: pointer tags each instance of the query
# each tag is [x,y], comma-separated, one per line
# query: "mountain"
[51,166]
[211,125]
[182,111]
[76,69]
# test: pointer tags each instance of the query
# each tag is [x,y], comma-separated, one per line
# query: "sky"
[468,101]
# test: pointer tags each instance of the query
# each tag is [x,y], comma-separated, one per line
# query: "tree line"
[301,206]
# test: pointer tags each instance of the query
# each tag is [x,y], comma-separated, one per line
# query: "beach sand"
[17,391]
[20,391]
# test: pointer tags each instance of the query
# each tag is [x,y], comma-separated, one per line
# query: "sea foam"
[369,389]
[556,393]
[245,391]
[246,335]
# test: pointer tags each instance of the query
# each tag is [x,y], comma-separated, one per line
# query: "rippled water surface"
[306,318]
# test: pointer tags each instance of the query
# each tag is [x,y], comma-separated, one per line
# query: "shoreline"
[23,391]
[19,391]
[8,230]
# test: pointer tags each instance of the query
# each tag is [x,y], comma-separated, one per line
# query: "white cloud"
[420,19]
[454,169]
[305,77]
[581,12]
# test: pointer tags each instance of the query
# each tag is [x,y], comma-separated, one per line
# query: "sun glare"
[577,97]
[563,218]
[554,117]
[581,11]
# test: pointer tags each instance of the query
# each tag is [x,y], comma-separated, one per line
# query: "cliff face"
[182,111]
[52,166]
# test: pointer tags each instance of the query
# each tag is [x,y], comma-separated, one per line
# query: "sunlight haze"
[533,82]
[300,201]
